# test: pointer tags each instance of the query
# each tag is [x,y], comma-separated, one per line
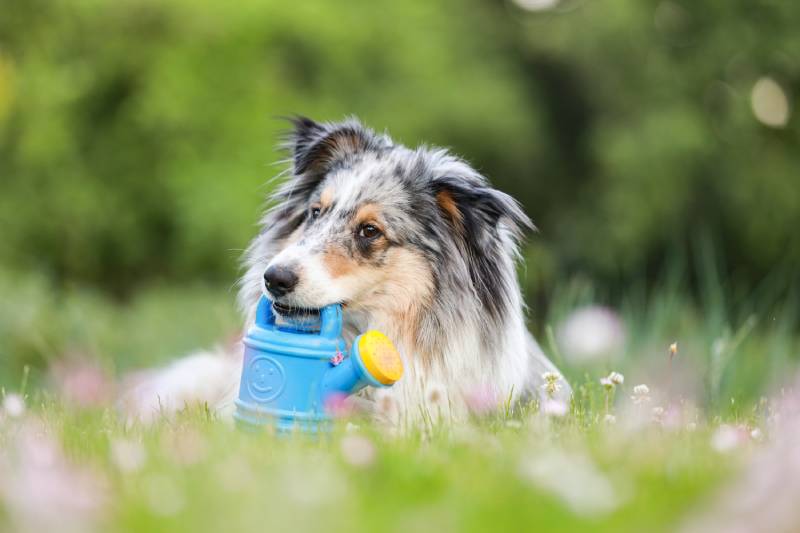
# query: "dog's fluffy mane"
[477,240]
[469,335]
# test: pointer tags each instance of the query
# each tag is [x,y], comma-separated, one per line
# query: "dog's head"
[381,228]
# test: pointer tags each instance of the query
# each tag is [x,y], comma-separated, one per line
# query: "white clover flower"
[552,383]
[612,380]
[610,419]
[658,414]
[641,394]
[14,405]
[756,434]
[551,376]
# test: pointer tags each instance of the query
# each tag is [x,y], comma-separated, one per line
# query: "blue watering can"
[292,371]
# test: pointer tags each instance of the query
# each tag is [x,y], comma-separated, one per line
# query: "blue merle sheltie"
[412,242]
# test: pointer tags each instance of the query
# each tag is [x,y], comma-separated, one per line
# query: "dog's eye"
[368,231]
[314,212]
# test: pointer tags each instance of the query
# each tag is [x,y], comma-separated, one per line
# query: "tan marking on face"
[368,213]
[411,274]
[448,204]
[326,198]
[402,297]
[338,262]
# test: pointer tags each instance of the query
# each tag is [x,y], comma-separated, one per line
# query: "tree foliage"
[137,137]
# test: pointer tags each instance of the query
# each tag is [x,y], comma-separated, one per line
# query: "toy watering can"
[291,371]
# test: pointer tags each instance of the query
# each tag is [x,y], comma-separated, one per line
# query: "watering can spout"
[373,361]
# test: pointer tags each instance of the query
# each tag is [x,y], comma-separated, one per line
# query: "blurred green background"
[137,143]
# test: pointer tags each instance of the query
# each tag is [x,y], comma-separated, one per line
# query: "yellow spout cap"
[380,357]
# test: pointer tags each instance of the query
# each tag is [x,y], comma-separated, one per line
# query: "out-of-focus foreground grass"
[620,460]
[195,474]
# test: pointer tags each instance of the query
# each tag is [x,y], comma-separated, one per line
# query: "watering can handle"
[331,321]
[330,318]
[264,315]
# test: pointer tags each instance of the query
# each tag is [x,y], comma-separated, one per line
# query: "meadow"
[654,144]
[622,457]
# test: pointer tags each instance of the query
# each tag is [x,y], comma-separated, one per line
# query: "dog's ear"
[486,225]
[475,209]
[315,146]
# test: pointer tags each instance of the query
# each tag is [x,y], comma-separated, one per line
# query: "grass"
[517,470]
[197,474]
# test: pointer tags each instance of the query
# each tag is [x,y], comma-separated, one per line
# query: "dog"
[412,242]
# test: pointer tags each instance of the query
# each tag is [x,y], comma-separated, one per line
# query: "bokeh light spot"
[770,103]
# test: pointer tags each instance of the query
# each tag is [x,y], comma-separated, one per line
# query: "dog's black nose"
[280,280]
